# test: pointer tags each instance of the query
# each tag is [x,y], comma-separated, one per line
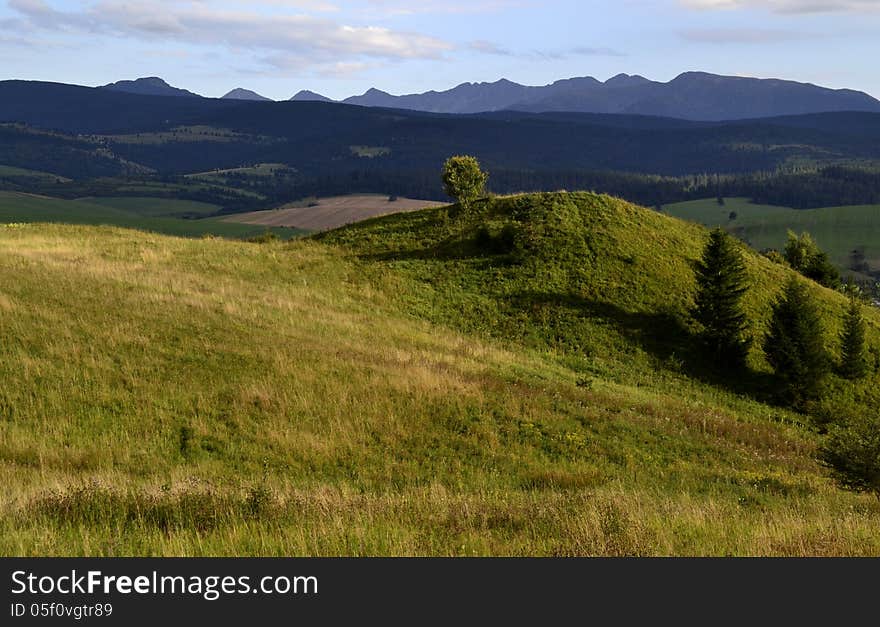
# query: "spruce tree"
[721,284]
[853,364]
[794,344]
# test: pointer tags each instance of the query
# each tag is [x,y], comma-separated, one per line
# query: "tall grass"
[165,396]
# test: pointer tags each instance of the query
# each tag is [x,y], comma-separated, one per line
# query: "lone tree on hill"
[852,453]
[794,344]
[721,284]
[853,364]
[464,180]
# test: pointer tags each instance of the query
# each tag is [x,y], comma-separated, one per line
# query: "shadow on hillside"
[664,336]
[453,249]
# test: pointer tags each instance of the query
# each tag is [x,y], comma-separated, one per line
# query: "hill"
[408,385]
[335,145]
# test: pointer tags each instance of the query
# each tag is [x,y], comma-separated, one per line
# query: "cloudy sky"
[343,47]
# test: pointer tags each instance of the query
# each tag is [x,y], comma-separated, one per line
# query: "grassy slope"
[152,214]
[391,390]
[839,230]
[155,207]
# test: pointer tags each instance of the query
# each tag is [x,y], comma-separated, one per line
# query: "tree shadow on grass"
[451,249]
[666,337]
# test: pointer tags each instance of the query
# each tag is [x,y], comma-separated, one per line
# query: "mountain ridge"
[699,96]
[149,86]
[692,95]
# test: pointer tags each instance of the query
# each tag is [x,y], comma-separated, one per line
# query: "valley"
[238,327]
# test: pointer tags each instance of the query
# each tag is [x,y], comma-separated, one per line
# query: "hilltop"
[521,381]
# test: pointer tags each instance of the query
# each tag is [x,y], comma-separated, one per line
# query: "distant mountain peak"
[305,95]
[626,80]
[149,86]
[245,94]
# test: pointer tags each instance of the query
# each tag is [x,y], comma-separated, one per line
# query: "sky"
[343,47]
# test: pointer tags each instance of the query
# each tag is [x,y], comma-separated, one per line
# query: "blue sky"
[343,47]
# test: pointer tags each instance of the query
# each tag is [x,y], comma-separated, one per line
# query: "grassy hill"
[838,230]
[519,382]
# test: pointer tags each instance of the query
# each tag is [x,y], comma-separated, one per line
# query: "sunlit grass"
[165,396]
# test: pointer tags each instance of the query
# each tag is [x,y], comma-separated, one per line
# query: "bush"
[775,256]
[804,255]
[264,238]
[501,242]
[852,453]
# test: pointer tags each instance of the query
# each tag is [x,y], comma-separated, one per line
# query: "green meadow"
[161,215]
[838,230]
[519,381]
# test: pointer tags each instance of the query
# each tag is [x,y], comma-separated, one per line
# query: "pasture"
[328,213]
[838,230]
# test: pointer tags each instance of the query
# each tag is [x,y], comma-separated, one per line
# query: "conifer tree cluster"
[794,344]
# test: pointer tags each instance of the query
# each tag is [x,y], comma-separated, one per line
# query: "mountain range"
[691,96]
[183,135]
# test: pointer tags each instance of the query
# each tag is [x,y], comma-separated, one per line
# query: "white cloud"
[393,8]
[744,36]
[287,33]
[789,6]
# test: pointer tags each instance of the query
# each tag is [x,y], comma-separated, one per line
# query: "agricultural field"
[408,385]
[161,215]
[155,207]
[328,213]
[838,230]
[22,173]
